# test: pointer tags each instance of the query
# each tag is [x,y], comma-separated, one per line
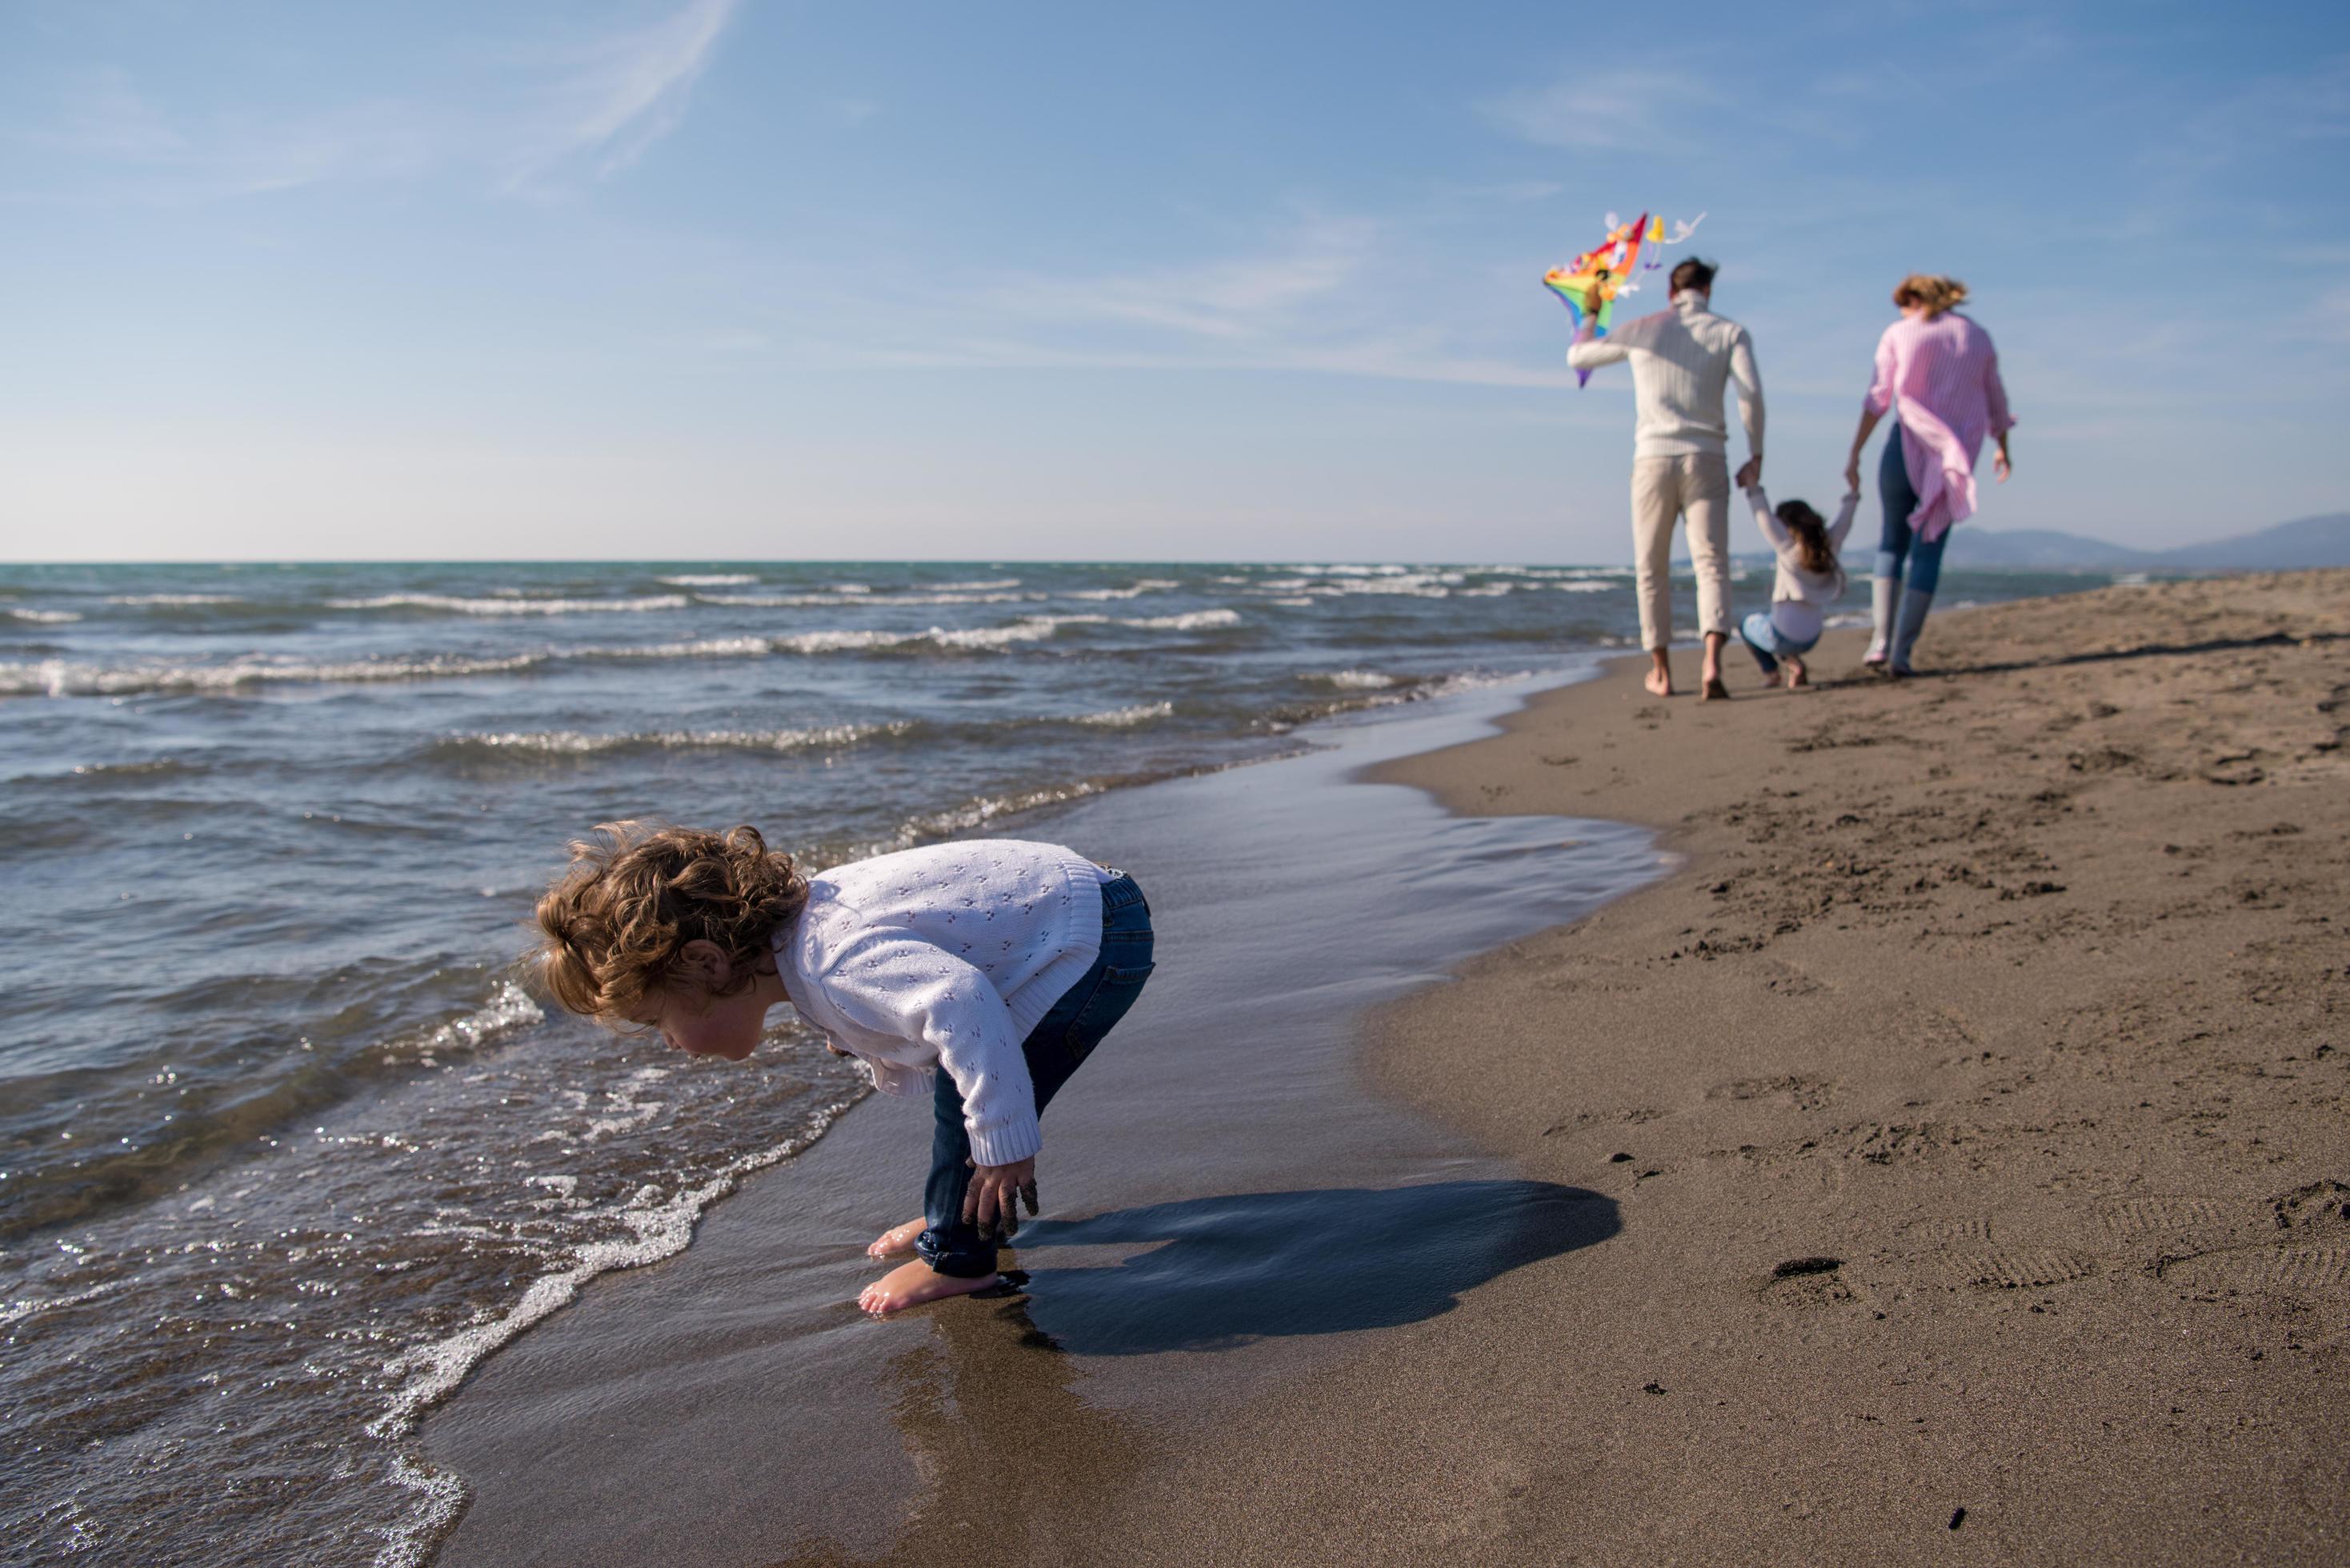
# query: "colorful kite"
[1590,283]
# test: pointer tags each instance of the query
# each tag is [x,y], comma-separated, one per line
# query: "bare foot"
[1714,690]
[1659,683]
[912,1284]
[893,1243]
[1797,676]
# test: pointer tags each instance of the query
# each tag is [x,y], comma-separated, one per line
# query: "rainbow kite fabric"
[1590,283]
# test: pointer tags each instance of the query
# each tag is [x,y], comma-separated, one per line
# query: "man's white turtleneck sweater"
[1680,359]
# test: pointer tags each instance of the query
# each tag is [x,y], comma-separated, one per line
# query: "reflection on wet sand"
[1009,1455]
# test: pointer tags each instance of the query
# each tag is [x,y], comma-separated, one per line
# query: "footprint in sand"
[2129,1218]
[1804,1094]
[2291,1270]
[1951,1232]
[2317,1258]
[2022,1268]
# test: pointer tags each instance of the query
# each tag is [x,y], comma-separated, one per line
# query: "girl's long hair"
[1812,546]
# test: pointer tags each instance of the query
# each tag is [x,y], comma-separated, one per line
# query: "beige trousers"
[1663,489]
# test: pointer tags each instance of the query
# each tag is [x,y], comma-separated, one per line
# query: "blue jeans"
[1760,633]
[1054,1048]
[1898,539]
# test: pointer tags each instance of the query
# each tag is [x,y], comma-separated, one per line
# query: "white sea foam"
[1190,621]
[1586,586]
[802,601]
[27,1307]
[1133,590]
[708,579]
[66,678]
[702,647]
[173,599]
[514,605]
[977,813]
[1352,679]
[508,1009]
[978,587]
[46,617]
[576,742]
[625,1113]
[1127,718]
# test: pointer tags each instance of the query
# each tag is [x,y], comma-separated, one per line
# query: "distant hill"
[2304,542]
[2289,547]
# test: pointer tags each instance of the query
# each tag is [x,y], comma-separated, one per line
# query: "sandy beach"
[1974,1100]
[1948,1156]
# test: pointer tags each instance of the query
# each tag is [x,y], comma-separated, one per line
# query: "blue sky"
[719,278]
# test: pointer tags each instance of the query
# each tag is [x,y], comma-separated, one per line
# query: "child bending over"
[984,971]
[1808,579]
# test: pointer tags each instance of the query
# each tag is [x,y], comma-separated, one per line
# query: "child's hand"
[996,1191]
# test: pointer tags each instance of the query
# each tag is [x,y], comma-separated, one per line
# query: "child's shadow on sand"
[1227,1271]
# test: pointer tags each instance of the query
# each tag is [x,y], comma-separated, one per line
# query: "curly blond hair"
[1930,290]
[637,892]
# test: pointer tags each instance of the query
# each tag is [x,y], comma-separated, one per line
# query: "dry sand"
[1975,1100]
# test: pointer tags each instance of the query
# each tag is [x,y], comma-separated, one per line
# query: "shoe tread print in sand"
[2305,1252]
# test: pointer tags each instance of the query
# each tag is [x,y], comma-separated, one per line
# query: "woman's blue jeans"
[1054,1048]
[1897,539]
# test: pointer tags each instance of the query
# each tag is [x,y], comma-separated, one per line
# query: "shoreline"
[1973,1094]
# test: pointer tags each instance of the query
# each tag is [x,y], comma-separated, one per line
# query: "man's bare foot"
[912,1284]
[1714,690]
[1797,676]
[894,1243]
[1659,683]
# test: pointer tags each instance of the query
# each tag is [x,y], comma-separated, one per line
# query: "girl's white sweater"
[946,956]
[1799,595]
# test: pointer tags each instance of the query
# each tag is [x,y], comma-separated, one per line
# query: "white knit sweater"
[946,956]
[1681,359]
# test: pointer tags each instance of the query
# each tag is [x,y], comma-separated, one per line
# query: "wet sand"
[1949,1159]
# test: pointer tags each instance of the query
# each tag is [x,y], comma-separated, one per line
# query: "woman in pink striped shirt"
[1937,374]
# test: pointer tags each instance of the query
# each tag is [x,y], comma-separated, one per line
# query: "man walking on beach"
[1680,464]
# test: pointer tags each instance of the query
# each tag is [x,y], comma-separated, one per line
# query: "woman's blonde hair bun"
[1934,292]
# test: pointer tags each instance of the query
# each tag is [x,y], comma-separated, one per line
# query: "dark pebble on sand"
[1957,1517]
[1794,1266]
[1619,1159]
[1652,1387]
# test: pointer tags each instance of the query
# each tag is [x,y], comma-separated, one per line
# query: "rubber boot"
[1882,592]
[1914,606]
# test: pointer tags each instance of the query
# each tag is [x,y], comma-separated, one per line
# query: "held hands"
[1751,474]
[996,1191]
[1852,474]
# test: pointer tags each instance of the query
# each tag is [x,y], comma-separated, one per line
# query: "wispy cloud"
[1601,110]
[1247,297]
[614,97]
[549,113]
